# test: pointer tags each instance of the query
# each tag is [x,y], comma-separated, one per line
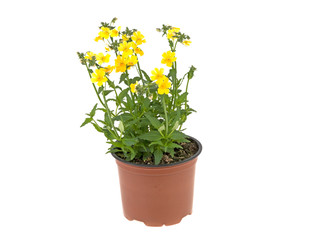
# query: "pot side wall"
[157,196]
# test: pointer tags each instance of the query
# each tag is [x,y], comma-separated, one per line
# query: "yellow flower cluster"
[122,63]
[171,33]
[98,77]
[127,57]
[105,33]
[161,80]
[129,51]
[168,58]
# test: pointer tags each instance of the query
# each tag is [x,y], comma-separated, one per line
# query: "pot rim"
[164,165]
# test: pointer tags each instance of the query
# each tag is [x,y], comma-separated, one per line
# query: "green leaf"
[97,127]
[135,79]
[110,83]
[108,134]
[93,111]
[102,109]
[172,73]
[146,76]
[146,103]
[123,77]
[154,121]
[101,121]
[175,126]
[100,89]
[191,72]
[107,119]
[121,127]
[158,154]
[161,129]
[151,136]
[179,136]
[106,92]
[173,145]
[129,141]
[182,98]
[87,120]
[157,143]
[171,43]
[123,94]
[123,117]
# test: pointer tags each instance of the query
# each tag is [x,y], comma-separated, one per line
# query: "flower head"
[124,37]
[98,38]
[105,32]
[186,42]
[102,59]
[125,47]
[98,77]
[115,32]
[171,32]
[89,55]
[109,69]
[139,51]
[131,61]
[157,75]
[168,58]
[164,86]
[138,38]
[133,86]
[121,63]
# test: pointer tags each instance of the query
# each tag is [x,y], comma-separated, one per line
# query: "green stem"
[173,103]
[132,96]
[109,114]
[104,104]
[186,105]
[96,91]
[166,118]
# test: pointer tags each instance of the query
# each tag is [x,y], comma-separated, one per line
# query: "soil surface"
[188,149]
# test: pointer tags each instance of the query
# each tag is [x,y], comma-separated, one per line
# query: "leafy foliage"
[137,120]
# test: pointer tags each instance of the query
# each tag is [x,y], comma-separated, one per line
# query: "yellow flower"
[131,61]
[168,58]
[125,47]
[114,33]
[98,38]
[89,55]
[133,87]
[138,38]
[187,42]
[171,33]
[164,86]
[107,49]
[102,59]
[98,77]
[105,32]
[125,38]
[121,64]
[109,69]
[139,51]
[157,74]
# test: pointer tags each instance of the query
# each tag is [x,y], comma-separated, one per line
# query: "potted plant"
[142,119]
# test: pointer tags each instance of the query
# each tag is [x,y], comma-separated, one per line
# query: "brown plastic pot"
[157,195]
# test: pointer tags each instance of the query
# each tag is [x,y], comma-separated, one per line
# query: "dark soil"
[188,149]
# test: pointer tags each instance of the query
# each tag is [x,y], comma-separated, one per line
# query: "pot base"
[153,224]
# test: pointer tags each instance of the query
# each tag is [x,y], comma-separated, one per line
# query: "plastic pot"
[157,195]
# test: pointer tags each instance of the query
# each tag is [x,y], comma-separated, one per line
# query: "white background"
[250,91]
